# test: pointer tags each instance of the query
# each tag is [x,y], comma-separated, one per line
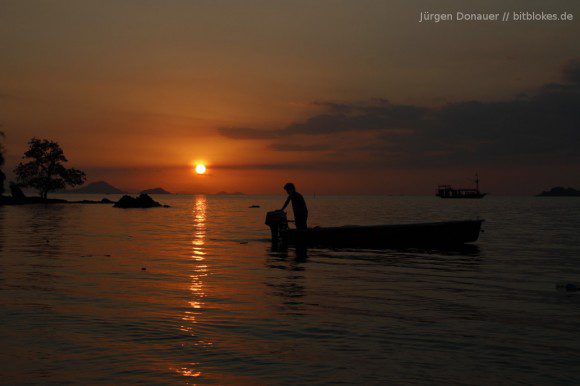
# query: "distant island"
[229,194]
[99,187]
[560,191]
[156,191]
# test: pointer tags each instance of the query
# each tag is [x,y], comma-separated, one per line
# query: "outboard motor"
[277,222]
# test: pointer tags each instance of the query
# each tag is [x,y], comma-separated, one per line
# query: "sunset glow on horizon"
[261,94]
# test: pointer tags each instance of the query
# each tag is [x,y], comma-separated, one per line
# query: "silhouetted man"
[298,206]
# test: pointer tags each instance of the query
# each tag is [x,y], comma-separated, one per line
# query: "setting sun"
[200,168]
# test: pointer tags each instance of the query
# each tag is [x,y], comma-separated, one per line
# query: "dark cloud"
[371,117]
[542,125]
[341,118]
[299,147]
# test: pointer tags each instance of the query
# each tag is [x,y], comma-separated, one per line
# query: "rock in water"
[569,287]
[560,191]
[142,201]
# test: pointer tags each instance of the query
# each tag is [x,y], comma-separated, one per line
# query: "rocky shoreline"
[8,200]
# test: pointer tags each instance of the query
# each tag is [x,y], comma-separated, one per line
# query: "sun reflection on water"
[196,287]
[188,372]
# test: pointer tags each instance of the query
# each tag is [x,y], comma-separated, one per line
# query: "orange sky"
[135,91]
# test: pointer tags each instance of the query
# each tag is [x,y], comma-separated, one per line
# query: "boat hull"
[473,196]
[449,233]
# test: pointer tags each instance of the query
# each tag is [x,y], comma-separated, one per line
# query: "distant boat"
[447,191]
[447,233]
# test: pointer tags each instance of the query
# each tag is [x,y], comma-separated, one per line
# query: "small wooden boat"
[447,233]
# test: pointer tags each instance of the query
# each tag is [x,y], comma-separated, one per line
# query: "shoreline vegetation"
[43,168]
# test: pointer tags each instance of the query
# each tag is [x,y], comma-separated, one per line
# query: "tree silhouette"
[44,169]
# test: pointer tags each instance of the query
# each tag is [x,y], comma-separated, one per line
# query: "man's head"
[289,187]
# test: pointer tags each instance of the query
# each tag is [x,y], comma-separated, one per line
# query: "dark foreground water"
[194,294]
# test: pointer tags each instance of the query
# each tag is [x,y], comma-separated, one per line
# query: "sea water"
[195,294]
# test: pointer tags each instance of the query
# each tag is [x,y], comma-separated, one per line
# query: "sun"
[200,169]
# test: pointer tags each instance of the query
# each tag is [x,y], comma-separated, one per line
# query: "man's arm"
[286,203]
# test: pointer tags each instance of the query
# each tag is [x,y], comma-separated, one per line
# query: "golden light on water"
[200,168]
[199,268]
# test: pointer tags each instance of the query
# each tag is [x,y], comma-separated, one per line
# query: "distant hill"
[99,187]
[229,194]
[560,191]
[155,191]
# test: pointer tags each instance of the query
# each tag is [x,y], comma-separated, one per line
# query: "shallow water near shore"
[195,294]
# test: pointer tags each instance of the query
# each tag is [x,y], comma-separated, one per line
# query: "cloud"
[299,147]
[539,126]
[340,118]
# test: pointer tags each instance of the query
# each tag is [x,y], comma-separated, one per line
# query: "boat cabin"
[447,191]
